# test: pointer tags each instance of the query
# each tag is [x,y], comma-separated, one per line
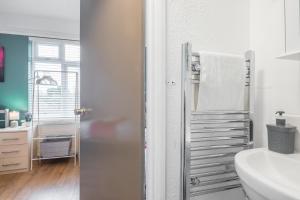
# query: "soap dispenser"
[280,121]
[281,136]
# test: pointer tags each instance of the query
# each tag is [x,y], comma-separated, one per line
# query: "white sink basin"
[267,175]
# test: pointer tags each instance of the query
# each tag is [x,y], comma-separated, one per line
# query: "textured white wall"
[277,81]
[211,25]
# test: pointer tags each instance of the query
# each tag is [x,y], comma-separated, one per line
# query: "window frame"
[34,59]
[36,52]
[61,51]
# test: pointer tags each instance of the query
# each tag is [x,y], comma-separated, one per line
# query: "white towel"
[222,82]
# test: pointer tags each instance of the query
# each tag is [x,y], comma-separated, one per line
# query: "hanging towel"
[222,82]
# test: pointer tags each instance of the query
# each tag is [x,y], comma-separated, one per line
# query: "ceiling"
[58,9]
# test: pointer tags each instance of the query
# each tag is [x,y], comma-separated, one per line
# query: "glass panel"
[112,87]
[48,51]
[72,53]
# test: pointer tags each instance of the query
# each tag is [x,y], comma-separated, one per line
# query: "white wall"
[39,26]
[277,81]
[212,25]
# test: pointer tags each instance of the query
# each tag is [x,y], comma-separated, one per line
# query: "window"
[60,60]
[72,53]
[47,51]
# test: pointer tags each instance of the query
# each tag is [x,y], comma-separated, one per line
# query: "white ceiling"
[59,9]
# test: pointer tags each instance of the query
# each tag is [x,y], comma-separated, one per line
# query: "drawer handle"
[10,139]
[8,152]
[10,165]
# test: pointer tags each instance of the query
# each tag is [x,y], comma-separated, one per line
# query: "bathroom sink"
[267,175]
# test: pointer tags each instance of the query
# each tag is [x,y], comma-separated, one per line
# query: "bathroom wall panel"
[277,81]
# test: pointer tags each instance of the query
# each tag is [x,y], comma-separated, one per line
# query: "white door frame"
[156,99]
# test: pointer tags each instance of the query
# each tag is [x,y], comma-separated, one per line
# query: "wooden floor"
[52,180]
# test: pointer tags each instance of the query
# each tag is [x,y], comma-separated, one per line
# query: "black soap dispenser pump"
[280,121]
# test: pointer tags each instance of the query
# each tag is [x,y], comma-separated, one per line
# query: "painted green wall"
[14,91]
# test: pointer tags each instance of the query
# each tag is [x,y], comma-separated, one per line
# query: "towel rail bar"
[233,112]
[210,156]
[214,173]
[219,189]
[198,148]
[212,182]
[219,138]
[211,129]
[218,121]
[217,164]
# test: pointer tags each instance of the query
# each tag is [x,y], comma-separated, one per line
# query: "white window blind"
[58,61]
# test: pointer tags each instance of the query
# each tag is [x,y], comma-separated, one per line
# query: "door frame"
[156,61]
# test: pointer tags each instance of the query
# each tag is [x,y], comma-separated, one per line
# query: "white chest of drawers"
[14,150]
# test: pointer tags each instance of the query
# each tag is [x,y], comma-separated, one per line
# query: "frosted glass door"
[112,100]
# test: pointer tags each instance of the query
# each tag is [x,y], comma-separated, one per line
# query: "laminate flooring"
[50,180]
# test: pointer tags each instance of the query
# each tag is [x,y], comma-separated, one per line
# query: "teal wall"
[14,91]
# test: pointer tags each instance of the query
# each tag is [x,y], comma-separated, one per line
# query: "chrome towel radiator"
[210,138]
